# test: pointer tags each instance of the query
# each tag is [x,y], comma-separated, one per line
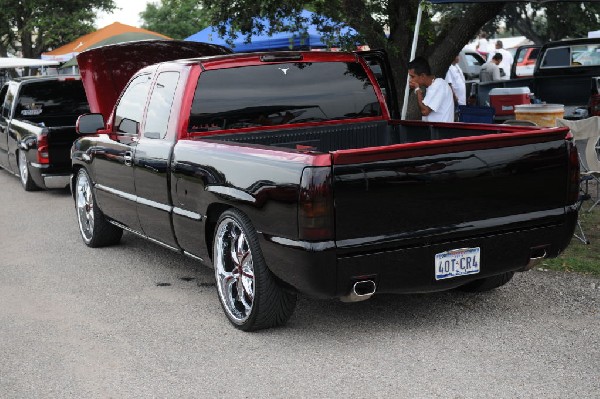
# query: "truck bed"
[345,136]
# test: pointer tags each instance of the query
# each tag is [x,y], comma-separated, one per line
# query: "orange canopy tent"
[110,34]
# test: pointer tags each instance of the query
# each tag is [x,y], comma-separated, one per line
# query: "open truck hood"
[106,70]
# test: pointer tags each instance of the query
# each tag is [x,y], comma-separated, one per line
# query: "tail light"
[594,105]
[315,205]
[594,101]
[43,156]
[573,190]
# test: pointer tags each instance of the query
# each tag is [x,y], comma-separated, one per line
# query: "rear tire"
[24,175]
[488,283]
[249,294]
[95,230]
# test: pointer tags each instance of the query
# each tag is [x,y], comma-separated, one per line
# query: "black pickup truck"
[562,74]
[286,173]
[37,128]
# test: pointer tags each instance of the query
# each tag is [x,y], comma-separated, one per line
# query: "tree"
[542,23]
[369,18]
[36,26]
[174,18]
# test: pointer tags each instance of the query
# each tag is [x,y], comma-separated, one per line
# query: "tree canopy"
[174,18]
[36,26]
[539,23]
[382,24]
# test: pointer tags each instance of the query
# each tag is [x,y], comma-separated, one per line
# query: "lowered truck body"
[286,173]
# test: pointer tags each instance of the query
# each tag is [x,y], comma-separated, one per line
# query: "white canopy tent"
[9,62]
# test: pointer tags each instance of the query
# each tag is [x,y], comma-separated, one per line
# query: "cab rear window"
[52,98]
[277,94]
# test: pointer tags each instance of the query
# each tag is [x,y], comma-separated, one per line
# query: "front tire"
[24,175]
[249,294]
[488,283]
[95,230]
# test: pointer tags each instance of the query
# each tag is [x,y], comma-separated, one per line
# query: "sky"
[127,12]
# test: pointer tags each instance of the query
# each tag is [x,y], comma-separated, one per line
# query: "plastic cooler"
[504,99]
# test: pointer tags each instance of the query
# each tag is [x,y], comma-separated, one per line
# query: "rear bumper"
[317,269]
[49,176]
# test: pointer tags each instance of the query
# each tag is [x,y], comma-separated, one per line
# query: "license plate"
[457,262]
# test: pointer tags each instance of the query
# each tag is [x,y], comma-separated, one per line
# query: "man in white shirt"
[456,79]
[483,45]
[438,104]
[507,59]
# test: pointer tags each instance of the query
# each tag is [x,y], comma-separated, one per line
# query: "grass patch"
[580,257]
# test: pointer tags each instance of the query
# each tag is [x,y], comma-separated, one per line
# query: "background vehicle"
[334,200]
[37,128]
[470,62]
[562,75]
[524,64]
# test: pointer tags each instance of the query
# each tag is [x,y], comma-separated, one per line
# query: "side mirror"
[89,123]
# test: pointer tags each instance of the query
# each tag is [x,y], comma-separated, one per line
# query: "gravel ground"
[82,323]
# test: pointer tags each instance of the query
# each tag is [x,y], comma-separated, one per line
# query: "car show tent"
[311,39]
[110,34]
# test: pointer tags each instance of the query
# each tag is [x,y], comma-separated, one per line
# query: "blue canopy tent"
[418,26]
[263,42]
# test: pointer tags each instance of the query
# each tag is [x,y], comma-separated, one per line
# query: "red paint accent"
[239,60]
[446,146]
[186,101]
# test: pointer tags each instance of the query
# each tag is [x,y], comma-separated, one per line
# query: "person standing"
[456,79]
[507,59]
[483,45]
[437,105]
[490,71]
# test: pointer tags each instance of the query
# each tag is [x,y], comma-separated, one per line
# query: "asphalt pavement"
[137,321]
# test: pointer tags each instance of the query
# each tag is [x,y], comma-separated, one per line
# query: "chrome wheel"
[84,201]
[234,270]
[23,170]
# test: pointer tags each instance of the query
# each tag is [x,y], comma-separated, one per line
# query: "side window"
[131,106]
[557,57]
[9,100]
[159,109]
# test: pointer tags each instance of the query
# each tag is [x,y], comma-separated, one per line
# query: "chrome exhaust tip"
[361,291]
[536,258]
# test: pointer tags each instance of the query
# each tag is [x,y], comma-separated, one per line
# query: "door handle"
[128,158]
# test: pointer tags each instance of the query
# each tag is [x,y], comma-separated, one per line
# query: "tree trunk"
[442,52]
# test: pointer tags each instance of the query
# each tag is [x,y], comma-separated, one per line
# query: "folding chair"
[586,133]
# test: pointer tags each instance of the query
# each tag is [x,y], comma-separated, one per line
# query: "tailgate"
[60,140]
[430,192]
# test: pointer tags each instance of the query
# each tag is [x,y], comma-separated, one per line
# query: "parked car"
[470,61]
[278,170]
[524,64]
